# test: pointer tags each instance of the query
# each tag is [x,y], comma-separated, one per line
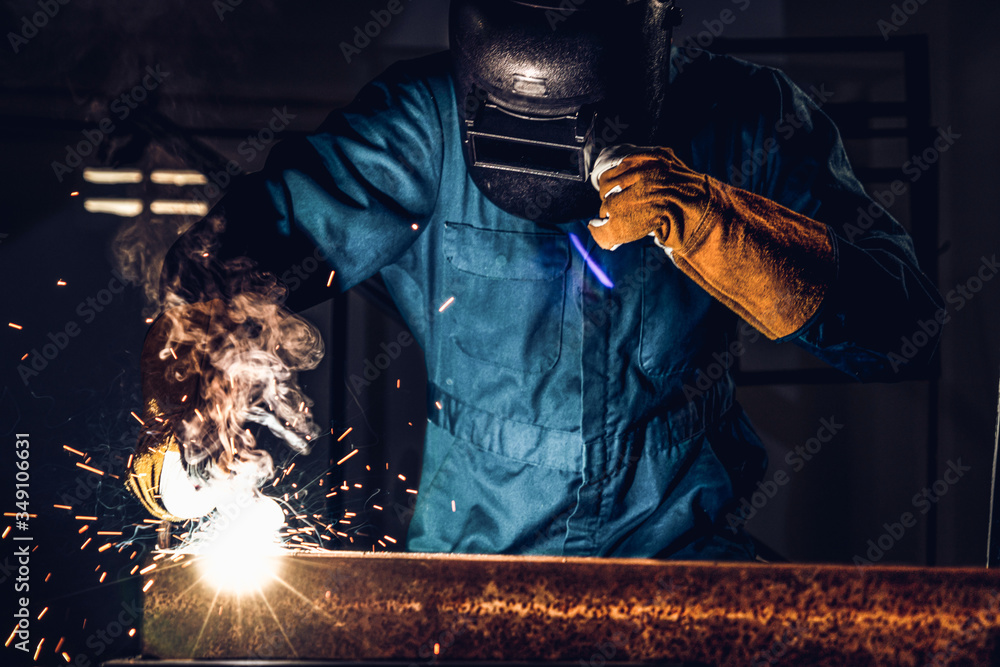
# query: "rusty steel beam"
[350,606]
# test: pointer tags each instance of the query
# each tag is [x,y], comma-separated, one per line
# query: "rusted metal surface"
[398,607]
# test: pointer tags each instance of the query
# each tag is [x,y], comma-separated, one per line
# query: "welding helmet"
[543,85]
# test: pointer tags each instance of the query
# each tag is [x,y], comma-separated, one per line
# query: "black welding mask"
[543,85]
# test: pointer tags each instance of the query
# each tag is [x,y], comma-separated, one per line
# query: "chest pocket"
[509,290]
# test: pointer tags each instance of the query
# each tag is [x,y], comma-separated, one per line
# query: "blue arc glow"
[591,264]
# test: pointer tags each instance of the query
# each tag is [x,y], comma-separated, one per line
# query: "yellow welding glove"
[170,381]
[767,263]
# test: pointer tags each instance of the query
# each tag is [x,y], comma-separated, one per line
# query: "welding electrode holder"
[170,389]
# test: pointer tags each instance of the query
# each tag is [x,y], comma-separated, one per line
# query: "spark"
[62,507]
[11,638]
[344,434]
[438,404]
[104,575]
[378,507]
[75,193]
[437,649]
[131,632]
[447,303]
[65,656]
[84,545]
[414,226]
[353,452]
[6,532]
[148,568]
[329,281]
[42,613]
[453,506]
[85,518]
[397,384]
[109,532]
[39,649]
[391,539]
[413,491]
[14,326]
[74,451]
[149,584]
[107,545]
[402,477]
[137,418]
[25,356]
[59,644]
[89,468]
[61,283]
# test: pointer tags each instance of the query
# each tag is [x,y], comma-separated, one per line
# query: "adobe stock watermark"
[786,128]
[956,299]
[57,341]
[914,168]
[101,640]
[223,7]
[365,34]
[707,377]
[373,369]
[922,501]
[796,460]
[695,45]
[900,15]
[122,106]
[251,147]
[30,25]
[625,286]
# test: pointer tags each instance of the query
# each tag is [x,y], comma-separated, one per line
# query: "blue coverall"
[575,418]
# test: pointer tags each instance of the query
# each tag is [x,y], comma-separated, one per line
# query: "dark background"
[229,66]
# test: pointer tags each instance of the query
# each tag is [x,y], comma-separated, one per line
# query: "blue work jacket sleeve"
[351,197]
[880,299]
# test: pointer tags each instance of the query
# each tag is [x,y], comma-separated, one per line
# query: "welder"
[566,184]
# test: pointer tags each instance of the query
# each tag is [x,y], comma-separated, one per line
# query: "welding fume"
[552,204]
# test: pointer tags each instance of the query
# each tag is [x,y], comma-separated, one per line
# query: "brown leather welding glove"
[170,381]
[767,263]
